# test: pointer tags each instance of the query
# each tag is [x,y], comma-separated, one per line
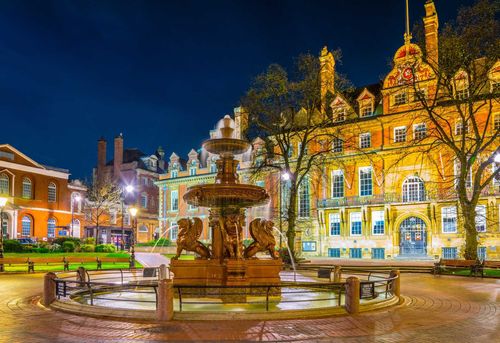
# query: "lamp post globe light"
[133,212]
[3,202]
[128,189]
[76,198]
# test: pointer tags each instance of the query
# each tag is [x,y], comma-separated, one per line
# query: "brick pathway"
[437,309]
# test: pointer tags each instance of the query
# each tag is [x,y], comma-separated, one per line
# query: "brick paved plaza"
[436,309]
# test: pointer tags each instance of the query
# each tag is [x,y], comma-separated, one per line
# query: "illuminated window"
[378,222]
[400,98]
[481,218]
[27,193]
[334,224]
[449,253]
[337,184]
[355,223]
[144,200]
[419,131]
[365,181]
[365,140]
[26,226]
[496,121]
[400,134]
[367,110]
[52,192]
[51,228]
[413,189]
[459,128]
[449,219]
[174,201]
[4,184]
[338,145]
[304,201]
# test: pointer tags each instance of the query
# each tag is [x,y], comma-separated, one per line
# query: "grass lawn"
[487,272]
[182,257]
[72,266]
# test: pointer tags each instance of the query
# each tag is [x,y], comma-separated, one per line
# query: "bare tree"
[101,198]
[460,104]
[289,113]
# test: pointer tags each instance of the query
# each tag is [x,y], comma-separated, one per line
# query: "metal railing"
[124,287]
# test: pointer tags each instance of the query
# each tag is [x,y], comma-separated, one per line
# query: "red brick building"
[39,198]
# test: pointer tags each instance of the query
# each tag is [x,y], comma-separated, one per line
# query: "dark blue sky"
[163,72]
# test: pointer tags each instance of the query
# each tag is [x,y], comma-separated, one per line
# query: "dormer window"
[400,99]
[174,173]
[367,110]
[461,86]
[460,128]
[339,114]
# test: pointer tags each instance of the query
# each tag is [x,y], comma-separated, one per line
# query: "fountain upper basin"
[226,146]
[226,195]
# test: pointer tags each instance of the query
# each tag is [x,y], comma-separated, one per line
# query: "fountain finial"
[226,130]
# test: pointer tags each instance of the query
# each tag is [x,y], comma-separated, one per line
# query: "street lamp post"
[133,213]
[77,198]
[285,176]
[3,202]
[126,190]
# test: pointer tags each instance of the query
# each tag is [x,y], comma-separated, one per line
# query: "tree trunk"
[290,234]
[469,218]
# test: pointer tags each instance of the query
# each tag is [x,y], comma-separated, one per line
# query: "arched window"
[75,228]
[4,184]
[52,197]
[26,226]
[27,192]
[144,200]
[143,228]
[51,228]
[413,189]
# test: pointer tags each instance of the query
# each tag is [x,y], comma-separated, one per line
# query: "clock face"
[407,73]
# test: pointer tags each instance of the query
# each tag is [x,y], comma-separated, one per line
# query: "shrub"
[55,248]
[28,248]
[89,240]
[105,248]
[41,250]
[12,245]
[68,246]
[61,240]
[87,248]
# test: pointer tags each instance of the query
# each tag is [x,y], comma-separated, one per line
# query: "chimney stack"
[431,25]
[327,75]
[118,156]
[101,157]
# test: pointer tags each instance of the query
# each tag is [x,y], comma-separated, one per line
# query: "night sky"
[164,72]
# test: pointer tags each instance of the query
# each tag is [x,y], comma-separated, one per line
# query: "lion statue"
[187,238]
[261,231]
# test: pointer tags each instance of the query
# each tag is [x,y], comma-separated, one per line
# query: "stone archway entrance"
[413,237]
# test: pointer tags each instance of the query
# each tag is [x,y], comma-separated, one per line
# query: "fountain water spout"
[289,252]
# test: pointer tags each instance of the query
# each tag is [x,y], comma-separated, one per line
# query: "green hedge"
[87,248]
[161,242]
[105,248]
[12,245]
[68,246]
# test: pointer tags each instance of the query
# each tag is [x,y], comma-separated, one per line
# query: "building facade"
[376,195]
[42,202]
[128,167]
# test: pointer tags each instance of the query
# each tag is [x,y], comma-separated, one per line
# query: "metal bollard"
[49,289]
[165,307]
[352,295]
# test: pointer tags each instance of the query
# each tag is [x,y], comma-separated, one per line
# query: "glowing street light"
[133,212]
[497,158]
[127,190]
[285,176]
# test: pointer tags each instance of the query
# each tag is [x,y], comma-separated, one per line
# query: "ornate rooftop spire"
[407,35]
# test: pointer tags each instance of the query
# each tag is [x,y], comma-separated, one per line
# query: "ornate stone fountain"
[227,261]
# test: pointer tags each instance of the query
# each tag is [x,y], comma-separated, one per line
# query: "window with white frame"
[112,217]
[174,231]
[462,93]
[413,189]
[355,223]
[144,200]
[192,207]
[419,131]
[496,121]
[365,140]
[449,219]
[143,228]
[51,228]
[337,184]
[337,145]
[213,168]
[400,134]
[378,223]
[449,253]
[339,113]
[334,224]
[192,171]
[174,173]
[460,129]
[26,226]
[481,218]
[304,199]
[27,192]
[4,184]
[52,192]
[365,181]
[174,200]
[366,110]
[400,98]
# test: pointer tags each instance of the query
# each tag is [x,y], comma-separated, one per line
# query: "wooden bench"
[489,265]
[473,266]
[66,261]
